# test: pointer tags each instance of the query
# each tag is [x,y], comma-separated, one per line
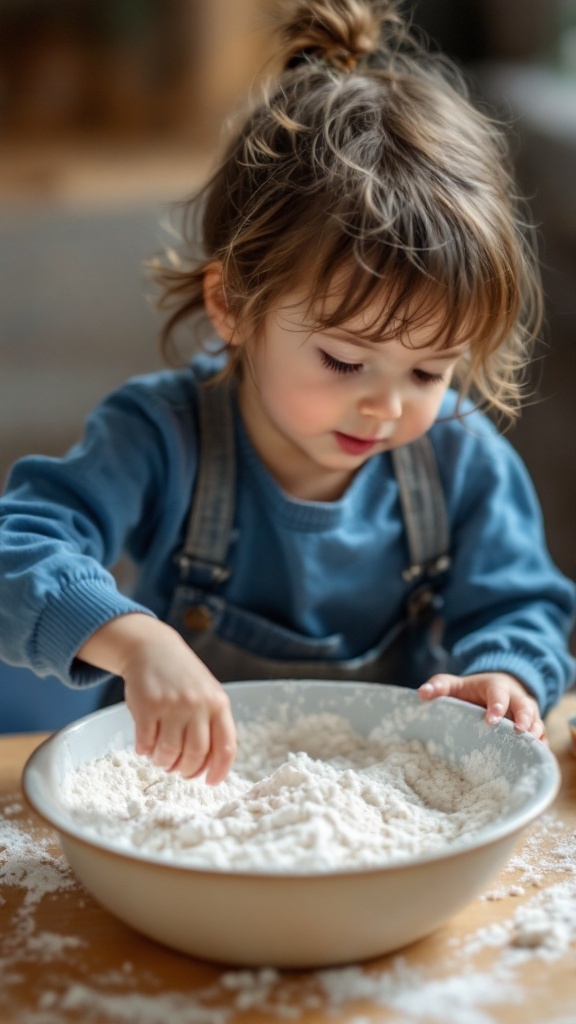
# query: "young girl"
[310,497]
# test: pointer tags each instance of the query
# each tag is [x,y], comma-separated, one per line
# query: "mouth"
[356,445]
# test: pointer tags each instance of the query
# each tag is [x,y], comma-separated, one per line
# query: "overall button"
[197,617]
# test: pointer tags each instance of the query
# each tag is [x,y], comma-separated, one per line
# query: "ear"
[216,306]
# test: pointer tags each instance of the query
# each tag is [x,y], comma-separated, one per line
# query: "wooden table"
[64,959]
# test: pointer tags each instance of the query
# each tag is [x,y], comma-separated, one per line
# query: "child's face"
[318,405]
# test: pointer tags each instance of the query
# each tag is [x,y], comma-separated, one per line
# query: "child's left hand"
[502,695]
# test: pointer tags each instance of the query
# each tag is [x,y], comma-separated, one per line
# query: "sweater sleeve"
[507,606]
[65,522]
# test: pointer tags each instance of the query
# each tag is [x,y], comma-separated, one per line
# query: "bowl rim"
[486,836]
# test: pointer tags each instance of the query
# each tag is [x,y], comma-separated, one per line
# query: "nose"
[384,403]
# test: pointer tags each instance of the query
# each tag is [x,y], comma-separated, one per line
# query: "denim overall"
[238,644]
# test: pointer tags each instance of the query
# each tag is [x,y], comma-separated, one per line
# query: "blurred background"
[111,110]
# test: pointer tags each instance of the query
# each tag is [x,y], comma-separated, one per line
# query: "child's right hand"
[182,715]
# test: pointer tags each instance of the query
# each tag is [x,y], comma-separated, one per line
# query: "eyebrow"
[447,354]
[342,335]
[444,354]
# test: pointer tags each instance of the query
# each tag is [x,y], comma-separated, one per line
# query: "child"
[314,500]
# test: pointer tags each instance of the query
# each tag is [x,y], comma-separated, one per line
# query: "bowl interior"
[450,728]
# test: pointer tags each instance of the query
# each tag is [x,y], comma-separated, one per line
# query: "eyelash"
[428,378]
[337,366]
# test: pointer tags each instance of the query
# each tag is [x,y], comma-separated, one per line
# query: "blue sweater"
[322,569]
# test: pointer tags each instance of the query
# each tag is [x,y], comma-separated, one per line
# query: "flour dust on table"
[75,981]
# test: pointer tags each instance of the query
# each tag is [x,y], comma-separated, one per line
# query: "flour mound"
[310,796]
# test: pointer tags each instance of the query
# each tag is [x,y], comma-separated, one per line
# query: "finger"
[195,747]
[146,735]
[440,686]
[523,711]
[223,749]
[169,744]
[497,702]
[538,729]
[524,719]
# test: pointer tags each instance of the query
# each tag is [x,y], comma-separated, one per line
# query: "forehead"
[421,321]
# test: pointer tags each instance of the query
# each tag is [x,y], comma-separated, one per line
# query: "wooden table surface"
[63,959]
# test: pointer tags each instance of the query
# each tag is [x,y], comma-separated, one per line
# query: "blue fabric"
[30,704]
[320,569]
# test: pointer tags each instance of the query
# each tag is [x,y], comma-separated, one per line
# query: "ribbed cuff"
[68,621]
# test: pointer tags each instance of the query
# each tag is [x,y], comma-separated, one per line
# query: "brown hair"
[365,159]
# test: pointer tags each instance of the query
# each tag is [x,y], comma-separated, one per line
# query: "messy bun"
[365,172]
[340,32]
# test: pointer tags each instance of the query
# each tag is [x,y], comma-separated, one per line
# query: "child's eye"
[428,378]
[337,366]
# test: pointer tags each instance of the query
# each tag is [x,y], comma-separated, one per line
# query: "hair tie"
[349,61]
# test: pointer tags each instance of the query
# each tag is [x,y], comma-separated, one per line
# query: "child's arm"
[501,694]
[507,610]
[182,715]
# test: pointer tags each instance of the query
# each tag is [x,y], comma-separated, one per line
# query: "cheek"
[300,399]
[302,408]
[424,412]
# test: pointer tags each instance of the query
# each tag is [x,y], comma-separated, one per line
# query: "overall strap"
[203,557]
[423,508]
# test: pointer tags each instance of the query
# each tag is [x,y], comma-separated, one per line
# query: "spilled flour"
[311,796]
[472,976]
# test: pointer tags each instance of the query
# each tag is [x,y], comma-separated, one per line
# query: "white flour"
[76,983]
[310,797]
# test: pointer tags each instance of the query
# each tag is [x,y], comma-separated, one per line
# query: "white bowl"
[300,920]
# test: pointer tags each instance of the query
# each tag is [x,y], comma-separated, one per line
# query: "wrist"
[120,642]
